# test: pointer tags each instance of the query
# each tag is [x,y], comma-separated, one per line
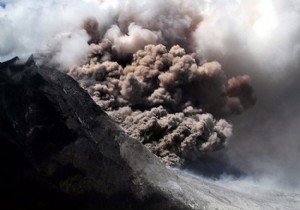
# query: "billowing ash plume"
[144,67]
[164,97]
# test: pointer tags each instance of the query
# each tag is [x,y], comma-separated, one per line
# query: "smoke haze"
[175,73]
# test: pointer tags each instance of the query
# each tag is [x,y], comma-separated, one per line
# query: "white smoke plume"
[125,54]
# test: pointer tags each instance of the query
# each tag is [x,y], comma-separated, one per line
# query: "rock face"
[59,150]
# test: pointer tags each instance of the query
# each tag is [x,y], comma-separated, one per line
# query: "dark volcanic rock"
[59,150]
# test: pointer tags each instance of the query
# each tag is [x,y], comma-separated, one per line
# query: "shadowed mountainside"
[60,150]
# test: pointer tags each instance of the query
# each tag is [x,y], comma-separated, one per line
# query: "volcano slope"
[59,150]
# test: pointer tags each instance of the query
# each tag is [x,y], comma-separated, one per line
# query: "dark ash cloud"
[164,98]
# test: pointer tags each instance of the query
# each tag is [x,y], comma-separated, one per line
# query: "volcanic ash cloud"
[137,61]
[165,98]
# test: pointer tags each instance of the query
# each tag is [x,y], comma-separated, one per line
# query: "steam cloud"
[151,65]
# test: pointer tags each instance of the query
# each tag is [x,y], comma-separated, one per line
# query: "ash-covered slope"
[59,150]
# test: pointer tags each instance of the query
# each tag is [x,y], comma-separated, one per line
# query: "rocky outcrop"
[59,150]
